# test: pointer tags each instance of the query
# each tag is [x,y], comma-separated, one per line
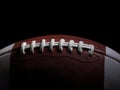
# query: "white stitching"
[23,47]
[70,45]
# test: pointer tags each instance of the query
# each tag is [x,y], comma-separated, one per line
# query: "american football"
[59,62]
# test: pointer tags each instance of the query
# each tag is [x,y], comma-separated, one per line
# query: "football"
[59,62]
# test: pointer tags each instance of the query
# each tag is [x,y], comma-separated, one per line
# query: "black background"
[99,25]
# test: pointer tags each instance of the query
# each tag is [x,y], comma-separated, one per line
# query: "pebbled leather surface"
[57,69]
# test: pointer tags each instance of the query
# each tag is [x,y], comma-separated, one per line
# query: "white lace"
[80,46]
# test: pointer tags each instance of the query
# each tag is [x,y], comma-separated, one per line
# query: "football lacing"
[80,46]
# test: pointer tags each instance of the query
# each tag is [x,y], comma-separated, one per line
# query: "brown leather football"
[59,62]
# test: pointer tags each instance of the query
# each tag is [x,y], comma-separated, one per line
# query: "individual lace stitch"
[62,43]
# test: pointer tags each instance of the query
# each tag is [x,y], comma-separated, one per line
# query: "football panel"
[112,70]
[95,68]
[4,71]
[5,66]
[56,69]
